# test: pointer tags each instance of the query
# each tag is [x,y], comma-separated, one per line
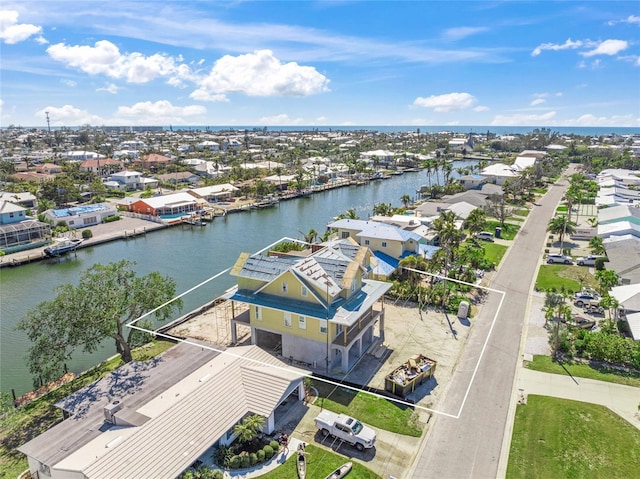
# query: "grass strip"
[375,411]
[555,437]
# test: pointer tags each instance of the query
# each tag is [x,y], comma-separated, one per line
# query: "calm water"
[189,255]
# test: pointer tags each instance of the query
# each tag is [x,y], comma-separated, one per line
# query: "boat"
[341,471]
[301,463]
[61,246]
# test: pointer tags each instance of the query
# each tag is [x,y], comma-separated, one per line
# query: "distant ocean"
[499,130]
[458,129]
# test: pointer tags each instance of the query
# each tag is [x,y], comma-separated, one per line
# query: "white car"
[559,259]
[587,260]
[484,236]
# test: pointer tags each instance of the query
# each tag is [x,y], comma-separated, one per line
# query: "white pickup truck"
[347,429]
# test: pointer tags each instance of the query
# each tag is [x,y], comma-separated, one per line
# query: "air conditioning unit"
[110,411]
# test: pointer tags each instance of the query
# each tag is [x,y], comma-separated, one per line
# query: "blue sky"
[320,63]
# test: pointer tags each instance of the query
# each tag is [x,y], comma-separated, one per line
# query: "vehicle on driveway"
[587,260]
[559,259]
[584,298]
[347,429]
[484,236]
[583,323]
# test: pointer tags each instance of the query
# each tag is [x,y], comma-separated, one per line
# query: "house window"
[285,288]
[323,326]
[258,312]
[304,291]
[384,244]
[367,242]
[10,215]
[302,322]
[287,320]
[89,221]
[345,234]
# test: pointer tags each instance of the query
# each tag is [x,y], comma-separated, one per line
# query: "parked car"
[559,258]
[583,323]
[587,260]
[484,236]
[347,429]
[586,298]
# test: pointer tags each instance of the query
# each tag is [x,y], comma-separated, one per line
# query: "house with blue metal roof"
[317,310]
[81,216]
[389,243]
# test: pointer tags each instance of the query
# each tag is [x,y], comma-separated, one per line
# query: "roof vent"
[110,411]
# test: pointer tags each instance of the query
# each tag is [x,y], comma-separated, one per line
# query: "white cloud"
[462,32]
[259,74]
[69,83]
[109,88]
[631,19]
[615,120]
[480,108]
[569,44]
[607,47]
[105,59]
[446,102]
[537,101]
[68,115]
[161,112]
[13,32]
[281,119]
[523,120]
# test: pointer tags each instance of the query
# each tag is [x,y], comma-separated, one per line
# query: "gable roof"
[185,419]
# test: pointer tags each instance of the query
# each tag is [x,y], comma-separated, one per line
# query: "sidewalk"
[621,399]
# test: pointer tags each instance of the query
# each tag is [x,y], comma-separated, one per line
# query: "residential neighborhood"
[361,306]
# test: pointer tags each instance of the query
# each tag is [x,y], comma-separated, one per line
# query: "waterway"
[189,255]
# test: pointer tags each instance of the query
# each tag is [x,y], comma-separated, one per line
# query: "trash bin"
[498,233]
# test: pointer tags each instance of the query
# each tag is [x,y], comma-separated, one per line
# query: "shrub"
[253,459]
[234,462]
[111,218]
[245,460]
[268,452]
[86,234]
[217,474]
[274,445]
[546,250]
[599,265]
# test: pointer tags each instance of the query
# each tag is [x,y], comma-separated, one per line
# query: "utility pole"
[48,122]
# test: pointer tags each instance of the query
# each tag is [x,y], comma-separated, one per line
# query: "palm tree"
[311,236]
[607,279]
[406,199]
[596,245]
[476,221]
[382,209]
[561,225]
[350,214]
[249,428]
[450,238]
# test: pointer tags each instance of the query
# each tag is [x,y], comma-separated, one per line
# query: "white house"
[81,216]
[215,192]
[128,180]
[155,419]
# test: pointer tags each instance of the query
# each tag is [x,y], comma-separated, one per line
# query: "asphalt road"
[470,446]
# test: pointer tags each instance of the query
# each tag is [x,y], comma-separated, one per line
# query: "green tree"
[349,215]
[106,299]
[249,428]
[476,221]
[560,225]
[596,245]
[382,209]
[406,200]
[607,279]
[311,236]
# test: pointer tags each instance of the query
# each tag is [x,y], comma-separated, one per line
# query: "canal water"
[189,255]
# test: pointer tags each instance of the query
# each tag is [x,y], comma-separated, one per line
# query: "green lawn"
[540,191]
[562,209]
[559,275]
[373,410]
[521,212]
[36,417]
[509,230]
[558,438]
[320,463]
[601,373]
[494,252]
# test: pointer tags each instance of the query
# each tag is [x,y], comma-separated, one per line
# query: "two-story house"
[318,310]
[388,243]
[18,231]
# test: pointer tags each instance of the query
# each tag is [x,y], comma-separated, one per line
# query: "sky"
[320,63]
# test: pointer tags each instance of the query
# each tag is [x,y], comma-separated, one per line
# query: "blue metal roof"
[77,210]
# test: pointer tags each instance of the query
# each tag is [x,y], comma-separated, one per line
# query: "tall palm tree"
[596,245]
[561,225]
[476,221]
[406,200]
